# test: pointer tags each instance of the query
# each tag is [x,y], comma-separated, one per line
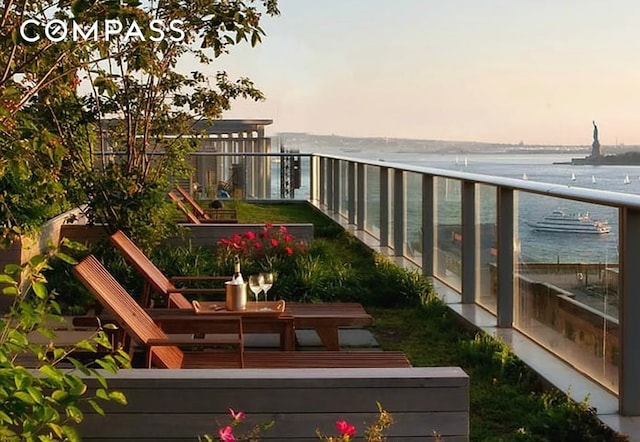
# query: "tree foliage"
[77,116]
[44,402]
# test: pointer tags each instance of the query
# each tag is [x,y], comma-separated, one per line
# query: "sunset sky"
[496,70]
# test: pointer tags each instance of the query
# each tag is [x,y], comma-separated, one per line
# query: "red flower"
[250,236]
[236,238]
[257,246]
[226,434]
[283,229]
[274,242]
[236,416]
[345,428]
[288,238]
[289,250]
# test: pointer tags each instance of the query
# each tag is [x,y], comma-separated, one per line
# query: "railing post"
[337,186]
[384,207]
[629,290]
[428,224]
[506,280]
[327,189]
[312,178]
[469,244]
[351,169]
[361,197]
[399,220]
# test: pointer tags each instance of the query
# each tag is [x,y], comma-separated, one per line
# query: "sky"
[501,71]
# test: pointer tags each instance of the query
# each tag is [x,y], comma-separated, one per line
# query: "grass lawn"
[508,402]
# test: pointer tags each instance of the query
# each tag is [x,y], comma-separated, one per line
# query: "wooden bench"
[179,405]
[163,351]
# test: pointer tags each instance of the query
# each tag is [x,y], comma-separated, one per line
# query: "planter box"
[27,246]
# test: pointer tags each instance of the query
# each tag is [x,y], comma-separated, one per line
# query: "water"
[534,246]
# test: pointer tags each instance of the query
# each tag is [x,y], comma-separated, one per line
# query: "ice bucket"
[236,298]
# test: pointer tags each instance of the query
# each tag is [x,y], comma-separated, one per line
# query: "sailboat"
[626,180]
[457,160]
[465,162]
[525,177]
[573,177]
[593,179]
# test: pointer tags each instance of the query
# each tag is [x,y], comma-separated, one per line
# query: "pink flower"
[236,416]
[283,229]
[236,238]
[267,226]
[345,428]
[257,246]
[274,242]
[250,236]
[288,238]
[226,434]
[289,250]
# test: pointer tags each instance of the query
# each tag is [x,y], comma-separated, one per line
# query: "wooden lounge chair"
[325,318]
[155,281]
[163,352]
[199,215]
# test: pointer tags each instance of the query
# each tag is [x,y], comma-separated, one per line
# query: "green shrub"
[45,403]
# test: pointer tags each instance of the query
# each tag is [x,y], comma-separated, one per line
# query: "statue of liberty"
[595,147]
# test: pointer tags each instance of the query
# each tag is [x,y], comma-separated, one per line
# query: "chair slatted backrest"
[136,322]
[199,211]
[151,274]
[191,217]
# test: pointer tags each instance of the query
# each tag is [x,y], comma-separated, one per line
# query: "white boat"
[559,221]
[573,177]
[593,179]
[626,180]
[525,177]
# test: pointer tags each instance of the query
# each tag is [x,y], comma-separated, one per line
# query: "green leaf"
[12,269]
[4,417]
[59,396]
[6,279]
[74,413]
[39,289]
[35,394]
[51,373]
[118,397]
[24,397]
[10,291]
[71,433]
[66,258]
[101,393]
[57,429]
[86,345]
[97,408]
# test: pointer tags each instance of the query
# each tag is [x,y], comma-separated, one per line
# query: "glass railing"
[555,262]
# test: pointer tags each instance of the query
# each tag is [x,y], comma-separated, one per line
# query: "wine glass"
[256,283]
[267,282]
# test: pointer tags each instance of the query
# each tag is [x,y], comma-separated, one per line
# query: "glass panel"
[372,205]
[448,244]
[486,244]
[413,215]
[391,207]
[567,282]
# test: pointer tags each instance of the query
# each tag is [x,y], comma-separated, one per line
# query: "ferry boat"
[561,222]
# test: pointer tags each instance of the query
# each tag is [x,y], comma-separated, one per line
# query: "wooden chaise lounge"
[325,318]
[162,351]
[199,215]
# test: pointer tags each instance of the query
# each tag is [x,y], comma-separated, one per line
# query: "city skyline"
[499,72]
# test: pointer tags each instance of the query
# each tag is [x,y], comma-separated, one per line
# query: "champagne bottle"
[237,276]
